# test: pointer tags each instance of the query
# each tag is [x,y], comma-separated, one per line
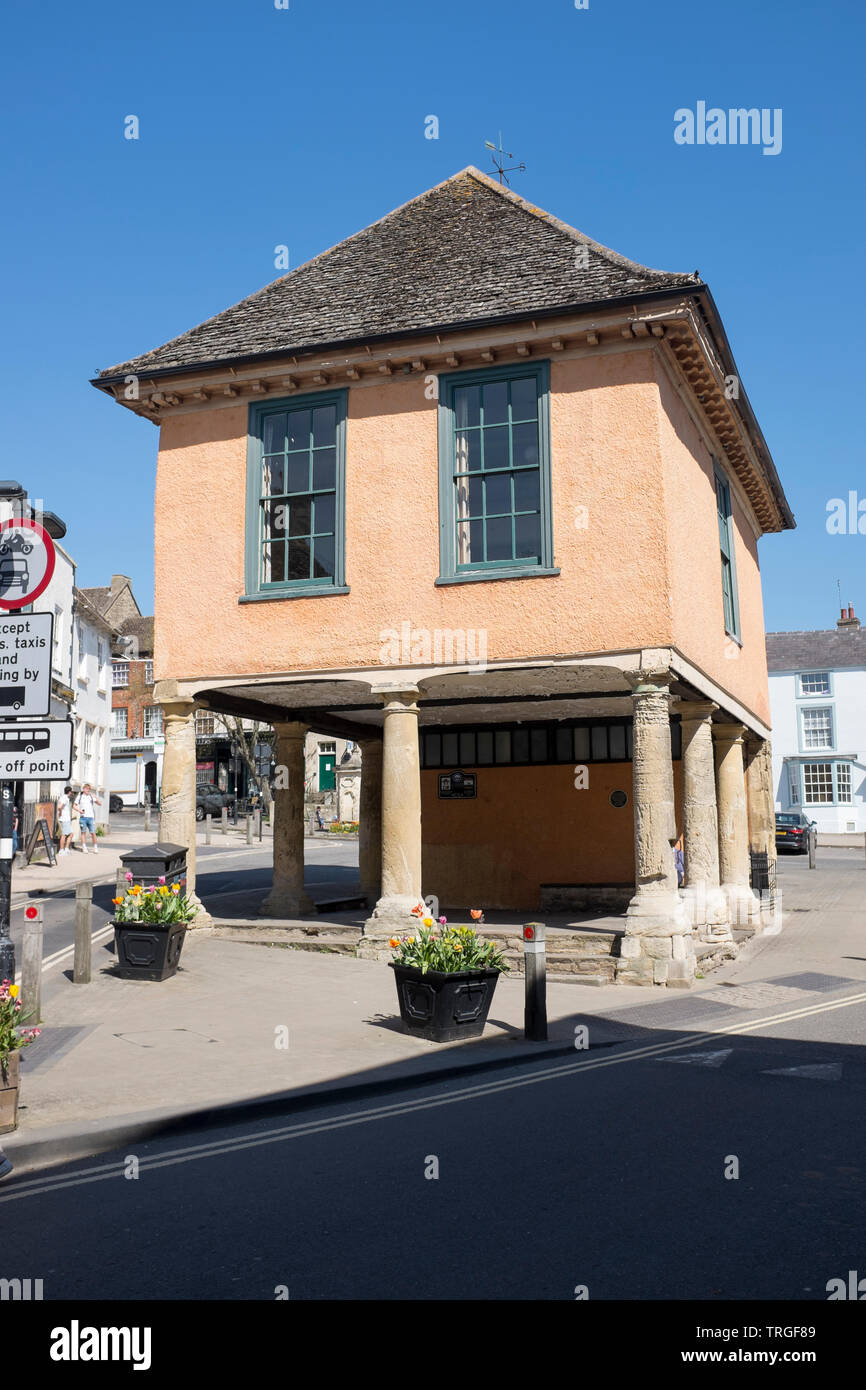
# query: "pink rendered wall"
[611,592]
[695,565]
[642,571]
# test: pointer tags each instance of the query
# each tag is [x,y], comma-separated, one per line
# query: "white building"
[818,708]
[92,636]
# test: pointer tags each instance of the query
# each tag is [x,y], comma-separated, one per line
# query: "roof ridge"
[574,233]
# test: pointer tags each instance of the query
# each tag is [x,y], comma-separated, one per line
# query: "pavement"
[246,1029]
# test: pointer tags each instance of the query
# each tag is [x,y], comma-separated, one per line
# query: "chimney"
[847,622]
[118,581]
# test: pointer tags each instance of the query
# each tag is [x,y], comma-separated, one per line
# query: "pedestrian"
[64,812]
[15,832]
[5,1166]
[679,861]
[319,821]
[85,808]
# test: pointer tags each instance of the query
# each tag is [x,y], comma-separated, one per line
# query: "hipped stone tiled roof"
[465,251]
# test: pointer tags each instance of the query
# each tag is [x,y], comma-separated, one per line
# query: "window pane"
[467,452]
[273,473]
[275,434]
[298,473]
[538,745]
[274,521]
[503,745]
[581,744]
[527,492]
[324,425]
[300,514]
[495,402]
[467,749]
[524,399]
[273,563]
[817,782]
[520,745]
[474,492]
[324,469]
[467,406]
[528,536]
[325,513]
[629,740]
[299,429]
[299,560]
[497,491]
[524,439]
[815,683]
[449,750]
[433,750]
[499,538]
[616,735]
[324,557]
[843,782]
[599,742]
[564,745]
[496,447]
[676,740]
[485,748]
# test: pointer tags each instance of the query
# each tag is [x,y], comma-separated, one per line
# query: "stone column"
[657,947]
[743,906]
[401,813]
[177,802]
[761,807]
[370,818]
[287,897]
[705,902]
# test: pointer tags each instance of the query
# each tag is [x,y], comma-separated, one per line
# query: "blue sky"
[260,127]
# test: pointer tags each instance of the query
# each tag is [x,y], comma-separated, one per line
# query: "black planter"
[444,1007]
[146,952]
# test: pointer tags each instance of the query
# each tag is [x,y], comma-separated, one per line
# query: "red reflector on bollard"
[528,933]
[31,912]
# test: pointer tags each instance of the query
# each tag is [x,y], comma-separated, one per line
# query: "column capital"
[693,711]
[402,697]
[649,682]
[728,733]
[290,728]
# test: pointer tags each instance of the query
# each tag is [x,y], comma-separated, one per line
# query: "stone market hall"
[484,497]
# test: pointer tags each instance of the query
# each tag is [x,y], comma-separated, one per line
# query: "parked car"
[792,831]
[209,800]
[115,802]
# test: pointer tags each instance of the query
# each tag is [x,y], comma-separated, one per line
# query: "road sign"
[25,664]
[26,562]
[33,752]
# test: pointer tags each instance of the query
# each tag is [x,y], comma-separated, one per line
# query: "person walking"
[64,814]
[85,808]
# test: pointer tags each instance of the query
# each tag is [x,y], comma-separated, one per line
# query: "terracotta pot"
[9,1091]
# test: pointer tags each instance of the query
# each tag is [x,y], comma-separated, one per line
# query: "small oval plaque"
[618,798]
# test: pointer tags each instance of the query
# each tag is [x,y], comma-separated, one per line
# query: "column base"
[202,918]
[658,948]
[707,911]
[392,916]
[744,907]
[283,902]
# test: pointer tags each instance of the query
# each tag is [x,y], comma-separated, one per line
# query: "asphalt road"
[607,1171]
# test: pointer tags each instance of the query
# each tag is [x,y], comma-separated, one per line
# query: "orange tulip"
[475,913]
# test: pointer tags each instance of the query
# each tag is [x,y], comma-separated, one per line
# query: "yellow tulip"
[14,991]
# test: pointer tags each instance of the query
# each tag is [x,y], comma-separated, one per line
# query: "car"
[115,802]
[792,831]
[209,800]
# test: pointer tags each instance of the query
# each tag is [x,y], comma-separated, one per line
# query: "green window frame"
[520,745]
[730,597]
[495,517]
[296,475]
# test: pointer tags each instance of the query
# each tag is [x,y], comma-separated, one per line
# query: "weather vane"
[498,162]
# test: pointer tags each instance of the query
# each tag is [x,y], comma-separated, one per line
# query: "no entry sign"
[26,562]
